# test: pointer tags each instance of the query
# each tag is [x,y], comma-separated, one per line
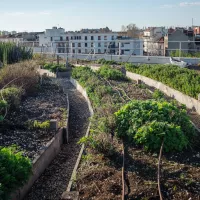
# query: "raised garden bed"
[22,128]
[99,176]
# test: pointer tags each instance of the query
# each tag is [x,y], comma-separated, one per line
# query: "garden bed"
[99,176]
[22,127]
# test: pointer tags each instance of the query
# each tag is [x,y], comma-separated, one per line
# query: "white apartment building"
[89,41]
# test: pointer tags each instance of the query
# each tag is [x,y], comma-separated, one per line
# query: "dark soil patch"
[45,105]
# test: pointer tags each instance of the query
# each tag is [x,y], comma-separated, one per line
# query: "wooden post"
[57,59]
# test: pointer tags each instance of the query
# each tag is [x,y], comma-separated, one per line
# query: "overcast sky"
[38,15]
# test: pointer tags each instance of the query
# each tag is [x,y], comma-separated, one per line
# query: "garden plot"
[99,175]
[28,127]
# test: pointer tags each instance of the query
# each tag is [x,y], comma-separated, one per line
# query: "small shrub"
[22,75]
[15,170]
[108,72]
[13,96]
[147,122]
[157,94]
[41,125]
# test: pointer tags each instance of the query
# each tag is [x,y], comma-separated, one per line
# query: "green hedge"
[11,53]
[184,80]
[15,170]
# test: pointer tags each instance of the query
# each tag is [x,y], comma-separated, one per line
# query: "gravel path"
[54,180]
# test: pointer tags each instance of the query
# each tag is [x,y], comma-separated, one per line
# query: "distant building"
[176,39]
[154,41]
[89,41]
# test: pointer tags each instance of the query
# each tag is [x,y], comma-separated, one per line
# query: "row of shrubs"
[11,53]
[144,123]
[184,80]
[54,67]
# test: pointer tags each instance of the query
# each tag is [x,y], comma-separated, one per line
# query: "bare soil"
[44,105]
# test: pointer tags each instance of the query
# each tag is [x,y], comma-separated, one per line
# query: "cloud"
[184,4]
[168,6]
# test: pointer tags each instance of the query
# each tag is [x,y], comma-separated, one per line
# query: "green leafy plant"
[108,72]
[148,122]
[41,125]
[15,170]
[13,96]
[157,94]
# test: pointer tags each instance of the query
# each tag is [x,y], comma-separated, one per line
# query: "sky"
[38,15]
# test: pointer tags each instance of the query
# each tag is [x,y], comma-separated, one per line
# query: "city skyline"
[75,15]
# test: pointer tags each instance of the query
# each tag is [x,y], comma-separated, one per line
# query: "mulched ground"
[53,182]
[44,105]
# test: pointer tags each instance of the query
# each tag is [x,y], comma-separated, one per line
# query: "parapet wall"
[190,102]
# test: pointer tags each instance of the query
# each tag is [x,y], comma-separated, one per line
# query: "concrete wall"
[128,58]
[180,97]
[41,163]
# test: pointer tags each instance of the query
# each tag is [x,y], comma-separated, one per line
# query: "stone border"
[190,102]
[40,163]
[84,93]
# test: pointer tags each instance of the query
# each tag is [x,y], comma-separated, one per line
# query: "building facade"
[153,41]
[89,41]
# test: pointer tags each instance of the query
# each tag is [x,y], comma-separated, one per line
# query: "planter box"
[40,163]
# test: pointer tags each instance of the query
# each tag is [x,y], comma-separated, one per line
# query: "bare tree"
[130,30]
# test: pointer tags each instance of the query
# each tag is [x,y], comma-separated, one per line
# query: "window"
[92,37]
[99,37]
[73,44]
[71,37]
[61,38]
[67,38]
[79,37]
[85,37]
[105,44]
[79,44]
[99,50]
[51,38]
[99,44]
[79,51]
[73,51]
[92,44]
[127,50]
[105,37]
[122,52]
[112,37]
[85,44]
[122,45]
[160,46]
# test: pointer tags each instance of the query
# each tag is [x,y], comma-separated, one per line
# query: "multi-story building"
[89,41]
[153,41]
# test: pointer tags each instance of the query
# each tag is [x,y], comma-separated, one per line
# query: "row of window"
[91,37]
[79,38]
[79,51]
[91,44]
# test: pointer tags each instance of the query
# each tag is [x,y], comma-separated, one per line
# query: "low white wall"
[180,97]
[41,163]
